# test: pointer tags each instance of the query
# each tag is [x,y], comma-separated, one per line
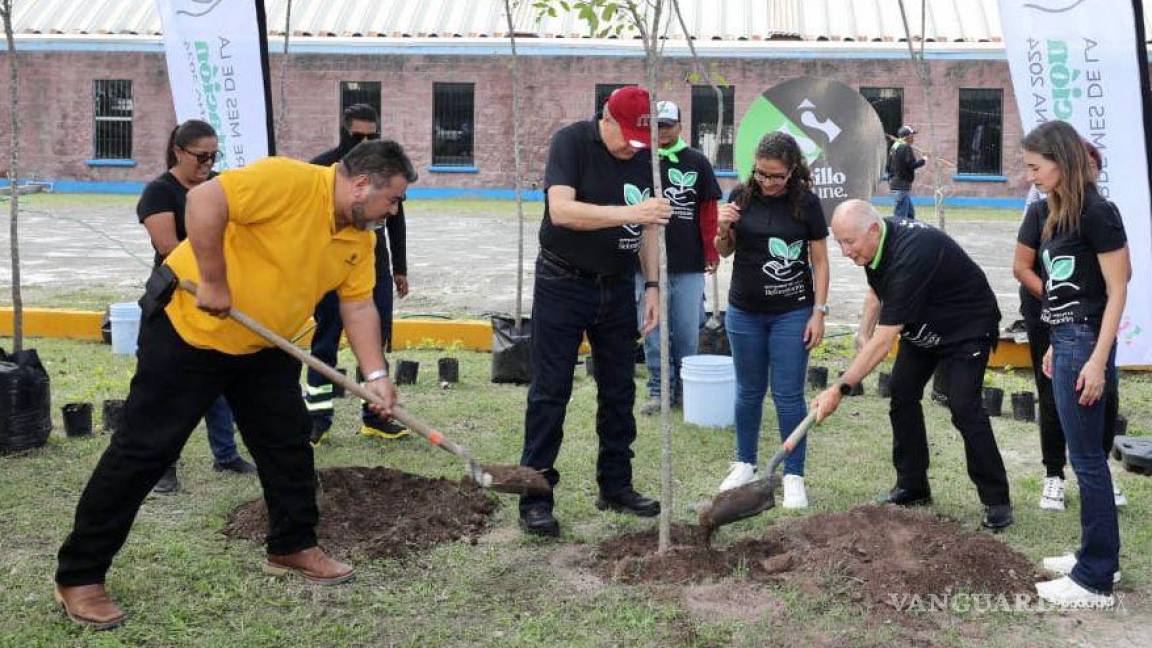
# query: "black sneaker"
[997,517]
[629,501]
[389,430]
[905,497]
[169,483]
[237,465]
[538,521]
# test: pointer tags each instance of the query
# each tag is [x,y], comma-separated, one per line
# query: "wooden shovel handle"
[399,413]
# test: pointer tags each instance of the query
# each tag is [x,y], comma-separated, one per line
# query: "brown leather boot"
[89,605]
[313,564]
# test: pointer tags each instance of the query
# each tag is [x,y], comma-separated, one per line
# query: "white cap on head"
[667,113]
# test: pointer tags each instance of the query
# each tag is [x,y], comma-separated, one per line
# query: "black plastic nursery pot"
[77,419]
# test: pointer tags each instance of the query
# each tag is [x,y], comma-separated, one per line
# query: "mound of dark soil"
[871,552]
[380,512]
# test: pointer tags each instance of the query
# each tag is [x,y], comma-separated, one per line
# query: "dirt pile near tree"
[380,512]
[869,553]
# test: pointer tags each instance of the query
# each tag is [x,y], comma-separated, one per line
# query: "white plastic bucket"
[125,320]
[709,390]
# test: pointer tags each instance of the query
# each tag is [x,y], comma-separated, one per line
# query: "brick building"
[96,109]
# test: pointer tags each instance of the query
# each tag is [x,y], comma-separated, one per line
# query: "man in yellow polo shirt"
[271,238]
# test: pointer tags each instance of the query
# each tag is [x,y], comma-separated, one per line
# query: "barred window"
[359,92]
[704,115]
[453,124]
[981,131]
[603,90]
[113,111]
[889,106]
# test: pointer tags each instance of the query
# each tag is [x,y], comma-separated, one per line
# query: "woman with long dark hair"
[1085,269]
[777,301]
[191,152]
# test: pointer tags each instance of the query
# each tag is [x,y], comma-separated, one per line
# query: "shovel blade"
[514,480]
[739,503]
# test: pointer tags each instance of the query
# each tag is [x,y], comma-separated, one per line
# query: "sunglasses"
[209,157]
[774,178]
[362,137]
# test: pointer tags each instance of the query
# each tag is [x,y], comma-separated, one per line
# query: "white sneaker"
[795,497]
[1063,565]
[1052,497]
[1121,498]
[739,473]
[1065,593]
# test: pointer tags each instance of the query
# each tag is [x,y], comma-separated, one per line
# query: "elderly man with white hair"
[925,289]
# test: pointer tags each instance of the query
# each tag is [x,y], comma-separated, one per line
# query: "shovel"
[502,478]
[754,497]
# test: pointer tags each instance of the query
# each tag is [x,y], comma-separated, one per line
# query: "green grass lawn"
[183,583]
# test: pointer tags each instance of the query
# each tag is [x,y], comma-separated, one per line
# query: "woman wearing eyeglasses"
[191,152]
[777,300]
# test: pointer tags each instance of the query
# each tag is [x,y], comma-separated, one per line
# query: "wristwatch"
[845,388]
[651,284]
[823,308]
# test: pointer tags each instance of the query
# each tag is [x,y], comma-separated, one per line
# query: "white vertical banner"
[1084,62]
[217,55]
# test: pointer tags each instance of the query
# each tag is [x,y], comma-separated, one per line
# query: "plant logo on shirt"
[681,192]
[1059,270]
[633,195]
[785,256]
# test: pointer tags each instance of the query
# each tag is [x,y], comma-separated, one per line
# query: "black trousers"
[964,364]
[564,308]
[174,385]
[1052,446]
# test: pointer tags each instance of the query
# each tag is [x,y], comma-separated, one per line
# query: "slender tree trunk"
[14,177]
[920,65]
[516,168]
[650,35]
[282,117]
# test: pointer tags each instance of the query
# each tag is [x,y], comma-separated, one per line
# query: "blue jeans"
[565,307]
[1099,554]
[903,208]
[221,434]
[769,349]
[685,317]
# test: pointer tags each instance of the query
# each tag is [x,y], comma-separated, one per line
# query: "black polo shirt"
[1074,288]
[928,284]
[165,194]
[578,159]
[688,182]
[771,270]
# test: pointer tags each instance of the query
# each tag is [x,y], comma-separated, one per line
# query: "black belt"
[552,259]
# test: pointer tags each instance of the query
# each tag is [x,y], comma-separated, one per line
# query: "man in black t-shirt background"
[360,123]
[692,190]
[925,289]
[599,213]
[902,165]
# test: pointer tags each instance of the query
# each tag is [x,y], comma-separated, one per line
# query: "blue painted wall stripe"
[463,193]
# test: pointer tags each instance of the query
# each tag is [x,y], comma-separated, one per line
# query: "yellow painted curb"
[55,323]
[416,333]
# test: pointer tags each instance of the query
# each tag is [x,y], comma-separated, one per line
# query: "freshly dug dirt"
[380,512]
[869,553]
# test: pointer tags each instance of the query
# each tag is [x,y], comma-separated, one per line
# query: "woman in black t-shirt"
[1085,270]
[192,150]
[776,302]
[1027,268]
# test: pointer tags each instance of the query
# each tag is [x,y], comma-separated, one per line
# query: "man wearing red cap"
[599,213]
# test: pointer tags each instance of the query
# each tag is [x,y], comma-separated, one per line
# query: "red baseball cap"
[629,107]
